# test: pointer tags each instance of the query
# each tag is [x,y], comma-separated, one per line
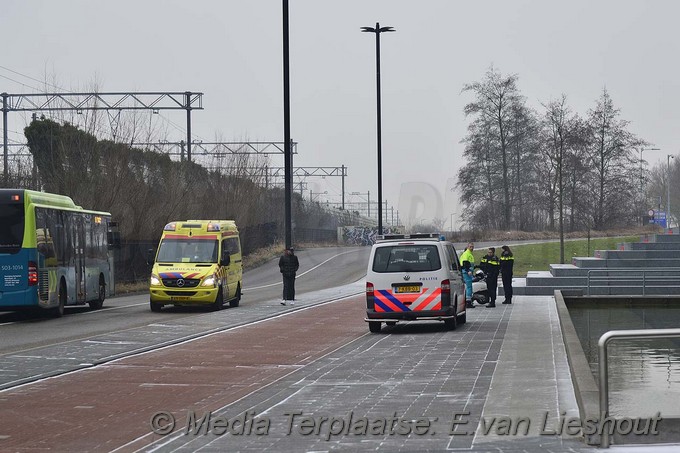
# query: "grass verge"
[539,257]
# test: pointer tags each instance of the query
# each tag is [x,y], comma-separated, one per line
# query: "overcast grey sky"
[232,52]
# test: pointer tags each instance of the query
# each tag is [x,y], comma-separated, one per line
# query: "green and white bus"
[53,253]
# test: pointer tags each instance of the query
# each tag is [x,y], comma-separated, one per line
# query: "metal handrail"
[648,276]
[602,363]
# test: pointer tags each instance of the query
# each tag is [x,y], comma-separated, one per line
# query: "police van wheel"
[219,301]
[450,323]
[235,301]
[374,326]
[155,307]
[462,319]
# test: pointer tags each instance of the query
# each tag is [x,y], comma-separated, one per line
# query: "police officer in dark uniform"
[491,266]
[507,263]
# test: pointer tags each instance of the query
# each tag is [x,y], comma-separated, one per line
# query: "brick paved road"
[319,362]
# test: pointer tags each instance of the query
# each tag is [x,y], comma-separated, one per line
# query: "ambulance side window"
[231,245]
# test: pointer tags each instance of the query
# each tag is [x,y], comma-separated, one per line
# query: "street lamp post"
[377,30]
[642,184]
[668,191]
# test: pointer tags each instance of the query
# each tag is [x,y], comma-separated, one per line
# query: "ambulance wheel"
[450,323]
[219,301]
[235,301]
[374,326]
[155,307]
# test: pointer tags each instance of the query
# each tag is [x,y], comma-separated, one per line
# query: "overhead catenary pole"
[343,187]
[187,102]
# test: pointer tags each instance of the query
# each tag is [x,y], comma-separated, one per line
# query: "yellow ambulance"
[198,262]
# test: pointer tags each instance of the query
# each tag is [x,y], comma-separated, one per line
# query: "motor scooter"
[480,292]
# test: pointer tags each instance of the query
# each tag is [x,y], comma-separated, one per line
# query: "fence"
[633,278]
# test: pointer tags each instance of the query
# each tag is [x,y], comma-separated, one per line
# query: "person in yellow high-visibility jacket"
[467,265]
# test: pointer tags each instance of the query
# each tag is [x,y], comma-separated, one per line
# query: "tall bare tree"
[494,106]
[560,129]
[611,153]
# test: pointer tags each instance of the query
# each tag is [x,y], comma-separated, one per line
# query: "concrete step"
[545,278]
[637,254]
[586,262]
[664,238]
[648,246]
[543,291]
[650,263]
[567,270]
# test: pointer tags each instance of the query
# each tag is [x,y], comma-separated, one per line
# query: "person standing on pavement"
[507,262]
[467,265]
[491,266]
[288,265]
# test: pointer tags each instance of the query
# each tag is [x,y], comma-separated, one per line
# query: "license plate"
[179,298]
[407,289]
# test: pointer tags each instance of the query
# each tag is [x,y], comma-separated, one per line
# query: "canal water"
[644,375]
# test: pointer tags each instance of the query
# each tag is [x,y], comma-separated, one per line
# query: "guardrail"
[603,342]
[633,278]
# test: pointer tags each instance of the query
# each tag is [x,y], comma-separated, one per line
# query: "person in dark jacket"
[288,265]
[507,262]
[491,266]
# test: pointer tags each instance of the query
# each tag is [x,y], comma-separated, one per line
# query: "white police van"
[413,277]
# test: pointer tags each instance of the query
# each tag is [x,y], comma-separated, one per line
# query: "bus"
[53,253]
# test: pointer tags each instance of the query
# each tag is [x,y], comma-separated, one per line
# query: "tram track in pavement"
[109,406]
[31,365]
[49,348]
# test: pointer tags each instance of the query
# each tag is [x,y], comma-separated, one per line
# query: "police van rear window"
[406,258]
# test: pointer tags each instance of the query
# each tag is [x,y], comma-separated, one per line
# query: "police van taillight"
[446,287]
[369,289]
[32,273]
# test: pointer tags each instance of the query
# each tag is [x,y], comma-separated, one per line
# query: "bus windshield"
[11,227]
[188,250]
